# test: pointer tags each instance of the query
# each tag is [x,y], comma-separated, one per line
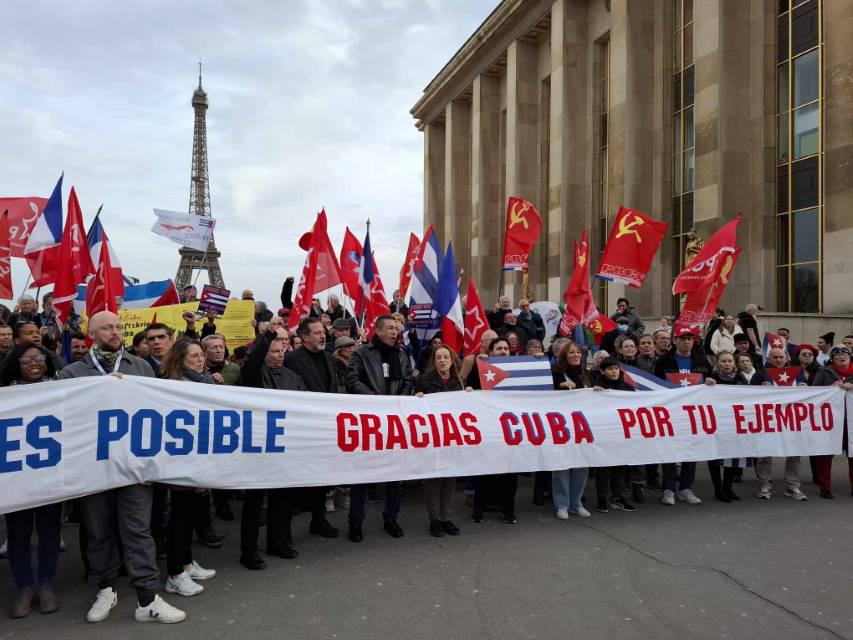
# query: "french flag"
[448,304]
[95,238]
[42,249]
[427,267]
[141,296]
[644,381]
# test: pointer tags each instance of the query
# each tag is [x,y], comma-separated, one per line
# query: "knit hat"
[828,337]
[839,350]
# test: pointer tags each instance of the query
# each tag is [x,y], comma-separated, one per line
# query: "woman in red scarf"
[838,372]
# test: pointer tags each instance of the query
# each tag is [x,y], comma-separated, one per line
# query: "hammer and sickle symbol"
[515,216]
[626,228]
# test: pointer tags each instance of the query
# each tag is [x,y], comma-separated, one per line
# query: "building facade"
[688,111]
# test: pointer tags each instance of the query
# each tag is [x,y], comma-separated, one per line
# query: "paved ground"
[774,569]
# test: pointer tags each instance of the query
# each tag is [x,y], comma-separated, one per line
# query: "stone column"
[838,157]
[522,136]
[434,177]
[457,182]
[485,187]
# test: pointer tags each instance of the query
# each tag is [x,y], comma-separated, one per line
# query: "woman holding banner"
[28,364]
[725,372]
[568,485]
[185,361]
[838,372]
[442,374]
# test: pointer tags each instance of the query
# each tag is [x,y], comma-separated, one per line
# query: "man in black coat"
[316,367]
[379,368]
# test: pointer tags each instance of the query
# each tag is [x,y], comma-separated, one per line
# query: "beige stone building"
[690,111]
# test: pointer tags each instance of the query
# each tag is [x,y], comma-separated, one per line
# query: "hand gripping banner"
[65,439]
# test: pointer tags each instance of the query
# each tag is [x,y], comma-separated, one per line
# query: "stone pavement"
[776,569]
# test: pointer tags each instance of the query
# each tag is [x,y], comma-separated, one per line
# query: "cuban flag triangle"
[448,304]
[96,237]
[515,373]
[644,381]
[424,284]
[42,250]
[138,296]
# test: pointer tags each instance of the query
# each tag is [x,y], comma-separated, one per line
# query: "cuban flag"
[645,381]
[42,249]
[424,285]
[515,373]
[213,299]
[95,238]
[448,305]
[141,296]
[772,341]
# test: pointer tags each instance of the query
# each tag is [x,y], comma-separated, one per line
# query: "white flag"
[187,229]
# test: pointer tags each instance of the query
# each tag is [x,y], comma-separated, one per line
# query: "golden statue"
[694,246]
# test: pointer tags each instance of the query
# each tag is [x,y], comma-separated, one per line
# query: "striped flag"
[645,381]
[213,299]
[515,373]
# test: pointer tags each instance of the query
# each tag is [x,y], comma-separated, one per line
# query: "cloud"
[309,107]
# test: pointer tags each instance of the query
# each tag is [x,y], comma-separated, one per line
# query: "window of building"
[683,133]
[799,158]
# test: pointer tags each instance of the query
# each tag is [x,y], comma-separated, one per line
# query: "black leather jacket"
[365,377]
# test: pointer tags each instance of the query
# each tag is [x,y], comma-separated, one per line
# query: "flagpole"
[201,265]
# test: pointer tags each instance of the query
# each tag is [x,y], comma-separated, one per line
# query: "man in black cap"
[341,328]
[824,346]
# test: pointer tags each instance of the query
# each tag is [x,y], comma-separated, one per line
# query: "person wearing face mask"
[568,485]
[623,329]
[838,373]
[185,361]
[625,311]
[725,372]
[25,365]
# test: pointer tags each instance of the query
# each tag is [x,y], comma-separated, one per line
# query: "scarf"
[107,359]
[725,377]
[390,356]
[843,373]
[195,376]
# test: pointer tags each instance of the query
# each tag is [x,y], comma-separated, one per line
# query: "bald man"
[778,358]
[126,510]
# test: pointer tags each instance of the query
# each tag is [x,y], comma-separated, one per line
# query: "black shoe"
[639,493]
[394,530]
[450,528]
[355,534]
[621,504]
[654,485]
[435,529]
[288,553]
[323,528]
[721,495]
[826,493]
[538,500]
[372,494]
[509,518]
[476,515]
[731,495]
[209,538]
[224,513]
[253,562]
[601,507]
[737,478]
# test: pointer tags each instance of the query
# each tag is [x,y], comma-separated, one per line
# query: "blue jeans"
[358,496]
[568,487]
[19,530]
[685,478]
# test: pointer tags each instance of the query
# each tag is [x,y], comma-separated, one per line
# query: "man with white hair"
[496,317]
[749,325]
[124,512]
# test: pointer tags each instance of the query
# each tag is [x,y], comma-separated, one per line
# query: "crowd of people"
[126,531]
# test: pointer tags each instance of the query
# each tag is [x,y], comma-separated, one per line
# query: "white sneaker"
[581,511]
[197,572]
[562,514]
[330,505]
[764,493]
[687,495]
[159,611]
[103,604]
[668,498]
[183,585]
[796,494]
[4,549]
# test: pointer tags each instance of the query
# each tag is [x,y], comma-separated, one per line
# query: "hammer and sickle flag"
[631,247]
[523,225]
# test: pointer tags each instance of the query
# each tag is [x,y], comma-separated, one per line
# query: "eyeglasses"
[34,360]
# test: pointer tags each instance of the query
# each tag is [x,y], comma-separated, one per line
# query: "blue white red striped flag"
[515,373]
[213,299]
[645,381]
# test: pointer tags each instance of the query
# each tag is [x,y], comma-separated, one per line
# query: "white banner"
[60,440]
[187,229]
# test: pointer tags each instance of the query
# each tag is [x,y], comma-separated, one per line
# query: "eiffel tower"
[191,259]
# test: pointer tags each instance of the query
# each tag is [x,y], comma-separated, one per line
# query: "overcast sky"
[309,107]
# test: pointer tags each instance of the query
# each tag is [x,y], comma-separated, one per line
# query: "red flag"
[99,290]
[783,376]
[523,224]
[75,263]
[23,213]
[703,269]
[408,265]
[633,242]
[328,269]
[351,269]
[580,305]
[700,306]
[476,323]
[5,258]
[685,379]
